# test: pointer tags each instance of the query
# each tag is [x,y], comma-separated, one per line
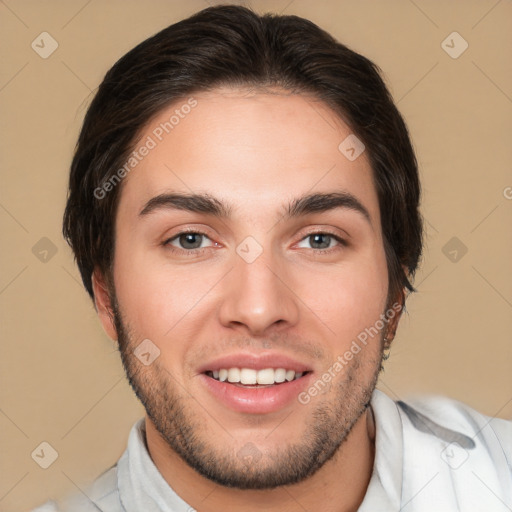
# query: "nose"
[258,296]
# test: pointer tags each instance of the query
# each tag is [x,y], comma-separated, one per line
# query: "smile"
[255,392]
[251,377]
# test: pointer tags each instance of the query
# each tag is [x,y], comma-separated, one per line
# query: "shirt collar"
[141,485]
[385,488]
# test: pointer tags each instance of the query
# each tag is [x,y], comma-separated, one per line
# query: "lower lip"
[256,400]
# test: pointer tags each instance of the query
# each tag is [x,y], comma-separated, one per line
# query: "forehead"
[246,149]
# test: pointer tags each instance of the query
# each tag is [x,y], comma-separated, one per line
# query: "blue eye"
[322,241]
[188,241]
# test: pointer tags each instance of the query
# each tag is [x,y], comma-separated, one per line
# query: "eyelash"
[194,252]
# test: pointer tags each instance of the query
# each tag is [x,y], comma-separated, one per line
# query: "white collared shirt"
[431,455]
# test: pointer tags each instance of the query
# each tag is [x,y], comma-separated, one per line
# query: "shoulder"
[459,458]
[465,455]
[49,506]
[424,412]
[102,494]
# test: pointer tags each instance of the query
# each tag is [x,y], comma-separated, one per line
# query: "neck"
[338,486]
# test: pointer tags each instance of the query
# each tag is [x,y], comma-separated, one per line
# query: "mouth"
[255,383]
[255,391]
[251,378]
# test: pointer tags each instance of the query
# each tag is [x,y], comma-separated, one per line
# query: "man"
[243,208]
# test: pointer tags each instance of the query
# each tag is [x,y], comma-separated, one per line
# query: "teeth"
[234,375]
[265,376]
[280,375]
[248,376]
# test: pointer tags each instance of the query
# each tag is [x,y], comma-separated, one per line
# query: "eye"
[188,241]
[322,242]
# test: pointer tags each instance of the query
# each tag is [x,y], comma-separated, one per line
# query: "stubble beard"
[177,417]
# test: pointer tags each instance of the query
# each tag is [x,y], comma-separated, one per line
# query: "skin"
[255,151]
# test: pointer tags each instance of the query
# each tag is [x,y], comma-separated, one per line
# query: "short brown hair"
[232,45]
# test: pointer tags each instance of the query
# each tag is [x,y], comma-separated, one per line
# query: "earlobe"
[103,304]
[398,307]
[394,318]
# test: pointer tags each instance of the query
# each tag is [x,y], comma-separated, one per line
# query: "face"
[254,276]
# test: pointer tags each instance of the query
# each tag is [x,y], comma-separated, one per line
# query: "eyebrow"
[298,207]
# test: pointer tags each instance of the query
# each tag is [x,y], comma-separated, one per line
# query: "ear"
[398,307]
[394,314]
[103,304]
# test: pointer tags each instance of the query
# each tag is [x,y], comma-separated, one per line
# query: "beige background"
[62,381]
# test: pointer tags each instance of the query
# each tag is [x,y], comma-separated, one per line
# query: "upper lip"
[255,362]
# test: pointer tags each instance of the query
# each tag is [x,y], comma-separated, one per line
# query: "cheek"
[149,298]
[347,298]
[160,300]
